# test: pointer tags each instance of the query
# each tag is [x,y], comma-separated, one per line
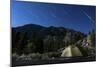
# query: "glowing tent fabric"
[71,51]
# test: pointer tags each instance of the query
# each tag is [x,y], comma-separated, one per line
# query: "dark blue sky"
[80,18]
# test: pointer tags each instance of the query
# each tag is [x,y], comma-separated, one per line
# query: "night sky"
[80,18]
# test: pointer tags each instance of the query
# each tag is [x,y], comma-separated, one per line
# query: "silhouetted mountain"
[41,39]
[28,27]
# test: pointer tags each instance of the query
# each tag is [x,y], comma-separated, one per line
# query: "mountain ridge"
[44,39]
[40,26]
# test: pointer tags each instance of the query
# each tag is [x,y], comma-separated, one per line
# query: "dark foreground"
[53,61]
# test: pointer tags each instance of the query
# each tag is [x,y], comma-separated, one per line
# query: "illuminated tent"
[71,51]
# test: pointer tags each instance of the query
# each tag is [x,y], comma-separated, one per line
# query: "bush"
[35,56]
[23,57]
[15,56]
